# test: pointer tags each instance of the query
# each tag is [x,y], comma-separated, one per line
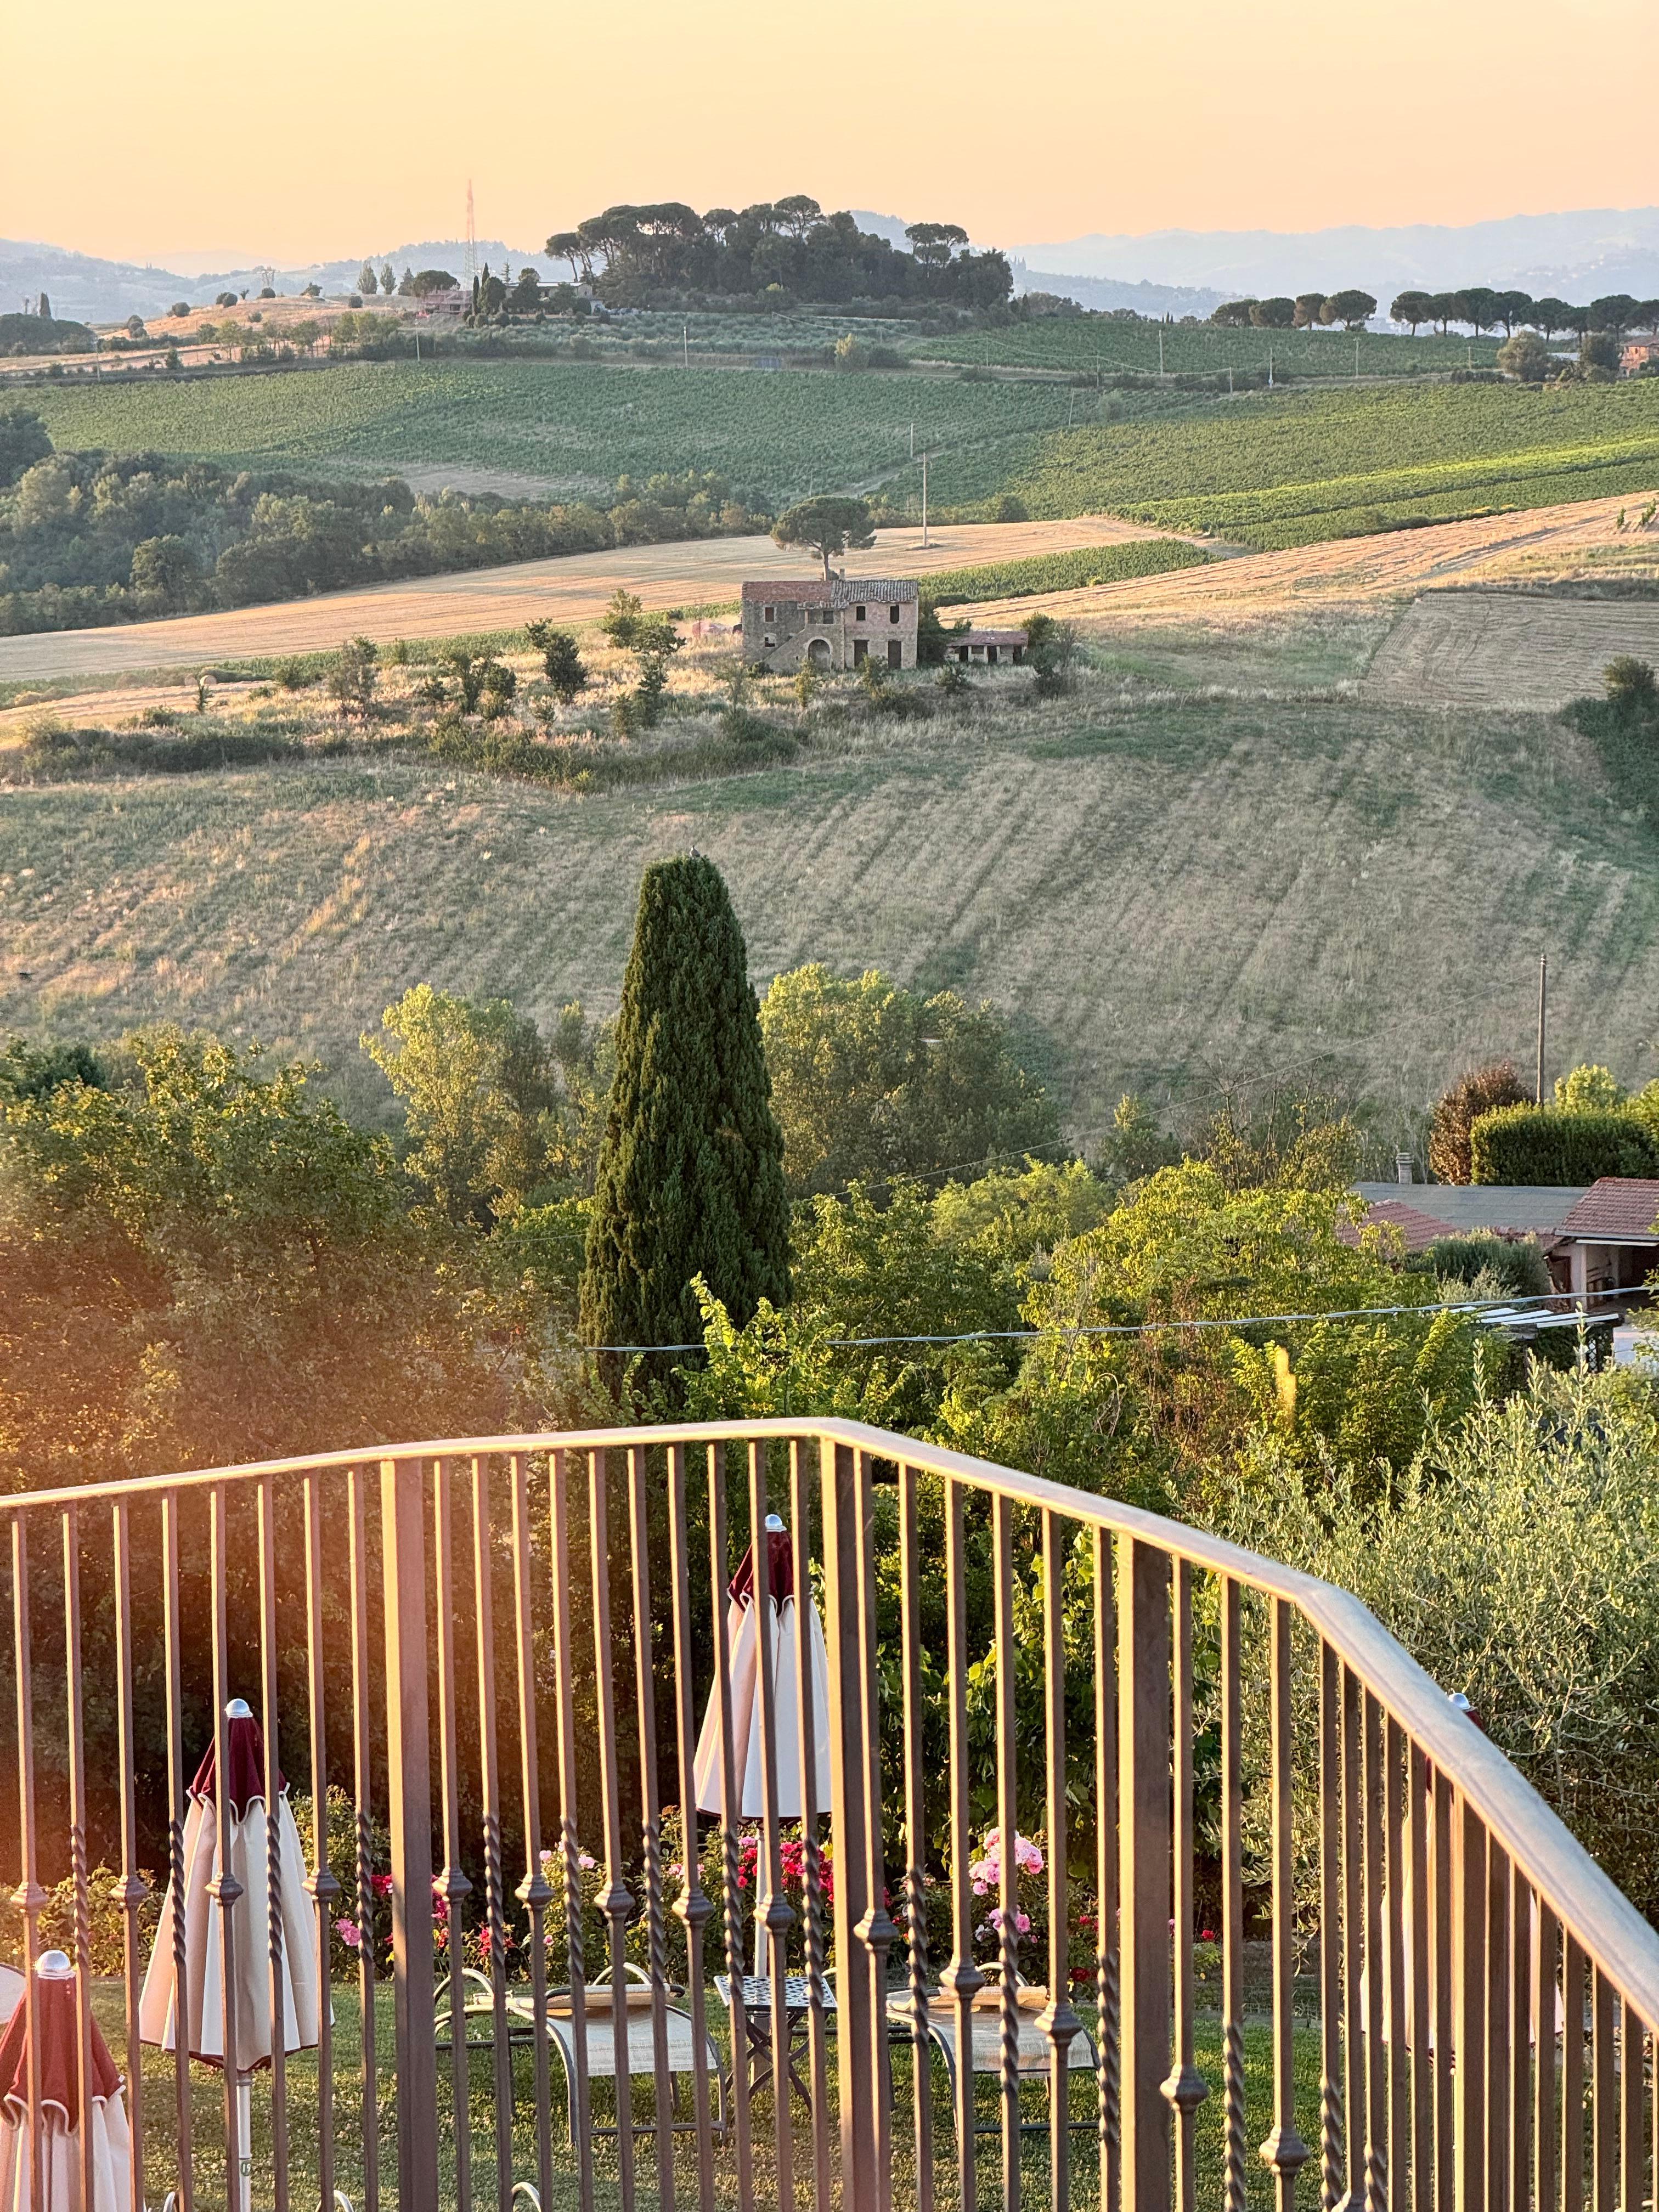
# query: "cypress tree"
[691,1173]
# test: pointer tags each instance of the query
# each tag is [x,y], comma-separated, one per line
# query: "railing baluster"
[1604,2116]
[1418,1956]
[322,1883]
[1498,1939]
[915,1832]
[1376,2104]
[536,1890]
[811,1860]
[1144,1863]
[1521,2040]
[692,1907]
[1185,2087]
[452,1884]
[1446,2012]
[615,1901]
[1633,2177]
[28,1896]
[1059,2020]
[362,1784]
[876,1929]
[738,2011]
[1469,2007]
[77,1813]
[535,1884]
[962,1977]
[1106,1875]
[773,1911]
[1331,2148]
[1002,1527]
[266,1506]
[1547,2119]
[1283,2151]
[489,1787]
[645,1695]
[132,1889]
[178,1787]
[1356,2109]
[1575,1995]
[224,1888]
[1393,1894]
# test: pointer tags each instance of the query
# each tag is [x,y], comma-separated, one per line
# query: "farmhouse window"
[768,614]
[858,614]
[893,612]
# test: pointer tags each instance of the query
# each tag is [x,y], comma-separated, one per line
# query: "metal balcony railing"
[499,1650]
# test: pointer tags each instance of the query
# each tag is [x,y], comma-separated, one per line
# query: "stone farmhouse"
[789,624]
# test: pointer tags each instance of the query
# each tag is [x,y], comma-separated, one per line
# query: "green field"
[1062,572]
[1290,468]
[574,428]
[1111,346]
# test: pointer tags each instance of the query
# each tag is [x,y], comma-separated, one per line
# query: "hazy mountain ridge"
[1577,254]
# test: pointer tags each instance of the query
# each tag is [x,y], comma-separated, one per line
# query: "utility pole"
[1071,403]
[1230,377]
[1543,999]
[913,441]
[1160,348]
[924,499]
[1356,360]
[1270,369]
[685,340]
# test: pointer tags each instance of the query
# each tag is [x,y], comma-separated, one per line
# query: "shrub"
[1518,1264]
[1543,1145]
[1457,1109]
[1631,682]
[179,307]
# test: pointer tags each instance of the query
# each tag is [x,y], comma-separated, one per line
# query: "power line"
[1150,1328]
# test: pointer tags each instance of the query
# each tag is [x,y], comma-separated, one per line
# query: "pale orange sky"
[334,127]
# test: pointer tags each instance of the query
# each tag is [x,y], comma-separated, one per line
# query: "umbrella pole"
[245,2131]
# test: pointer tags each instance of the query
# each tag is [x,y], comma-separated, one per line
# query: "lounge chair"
[479,2002]
[1034,2047]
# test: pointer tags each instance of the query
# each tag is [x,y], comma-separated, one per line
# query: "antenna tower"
[470,270]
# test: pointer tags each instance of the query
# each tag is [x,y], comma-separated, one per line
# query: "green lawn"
[208,2126]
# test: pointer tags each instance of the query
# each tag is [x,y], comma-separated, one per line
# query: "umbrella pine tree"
[691,1173]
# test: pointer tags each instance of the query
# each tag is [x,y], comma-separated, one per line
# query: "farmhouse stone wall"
[788,625]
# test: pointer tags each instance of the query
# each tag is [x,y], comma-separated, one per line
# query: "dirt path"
[574,590]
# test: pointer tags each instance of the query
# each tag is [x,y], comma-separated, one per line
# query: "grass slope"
[1158,886]
[1288,469]
[576,426]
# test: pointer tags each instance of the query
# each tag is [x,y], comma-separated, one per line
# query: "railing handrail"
[1567,1878]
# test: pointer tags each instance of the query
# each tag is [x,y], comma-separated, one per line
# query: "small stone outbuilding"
[989,648]
[790,624]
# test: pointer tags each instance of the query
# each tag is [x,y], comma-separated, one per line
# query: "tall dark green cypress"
[691,1174]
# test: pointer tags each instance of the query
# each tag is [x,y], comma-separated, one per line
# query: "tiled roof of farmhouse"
[814,591]
[1617,1208]
[993,637]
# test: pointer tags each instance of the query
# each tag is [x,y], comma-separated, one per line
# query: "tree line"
[633,256]
[1478,307]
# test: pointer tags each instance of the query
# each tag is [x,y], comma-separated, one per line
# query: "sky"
[326,128]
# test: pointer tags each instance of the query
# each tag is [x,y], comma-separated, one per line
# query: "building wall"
[796,627]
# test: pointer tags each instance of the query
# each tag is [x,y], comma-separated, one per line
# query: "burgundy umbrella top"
[780,1569]
[60,2041]
[245,1755]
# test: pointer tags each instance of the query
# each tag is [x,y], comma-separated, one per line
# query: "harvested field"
[572,589]
[1509,648]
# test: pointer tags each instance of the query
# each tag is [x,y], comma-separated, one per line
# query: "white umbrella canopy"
[62,2117]
[202,2000]
[743,1631]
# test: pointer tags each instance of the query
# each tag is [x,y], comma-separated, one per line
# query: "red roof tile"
[1419,1231]
[1617,1209]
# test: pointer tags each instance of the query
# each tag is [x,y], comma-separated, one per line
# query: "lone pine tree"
[691,1173]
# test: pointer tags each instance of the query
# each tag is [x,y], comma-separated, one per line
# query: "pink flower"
[380,1884]
[586,1863]
[348,1933]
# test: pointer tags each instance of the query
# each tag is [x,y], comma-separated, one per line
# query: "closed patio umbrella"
[201,2001]
[63,2117]
[743,1630]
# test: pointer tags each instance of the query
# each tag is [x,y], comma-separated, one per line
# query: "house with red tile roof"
[1610,1235]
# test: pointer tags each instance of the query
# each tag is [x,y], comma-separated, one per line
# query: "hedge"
[1543,1144]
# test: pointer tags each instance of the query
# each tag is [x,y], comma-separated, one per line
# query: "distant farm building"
[989,648]
[789,624]
[1638,356]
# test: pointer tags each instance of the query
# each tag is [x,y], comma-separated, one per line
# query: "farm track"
[572,589]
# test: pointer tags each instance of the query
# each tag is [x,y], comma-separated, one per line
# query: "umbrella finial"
[238,1709]
[774,1526]
[54,1966]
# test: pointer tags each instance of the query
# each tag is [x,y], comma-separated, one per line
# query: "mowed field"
[1509,648]
[572,589]
[1157,889]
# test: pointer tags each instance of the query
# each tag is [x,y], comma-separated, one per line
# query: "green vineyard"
[567,429]
[1062,572]
[1290,469]
[1109,346]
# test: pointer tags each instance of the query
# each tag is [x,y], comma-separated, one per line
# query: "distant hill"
[1103,294]
[1576,255]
